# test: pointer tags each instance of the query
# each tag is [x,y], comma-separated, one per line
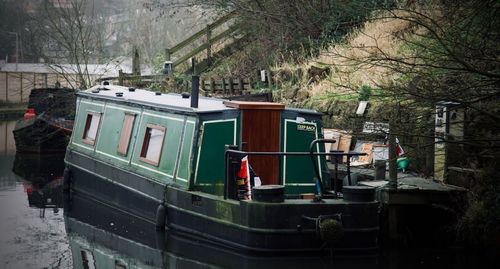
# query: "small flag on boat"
[399,149]
[243,181]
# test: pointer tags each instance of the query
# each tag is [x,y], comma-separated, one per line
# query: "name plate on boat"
[306,127]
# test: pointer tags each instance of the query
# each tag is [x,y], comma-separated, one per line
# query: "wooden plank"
[204,46]
[254,105]
[368,149]
[200,33]
[345,144]
[190,54]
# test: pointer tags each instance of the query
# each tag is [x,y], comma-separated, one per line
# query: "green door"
[298,171]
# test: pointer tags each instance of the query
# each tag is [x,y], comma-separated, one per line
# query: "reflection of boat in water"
[102,237]
[48,121]
[166,158]
[42,177]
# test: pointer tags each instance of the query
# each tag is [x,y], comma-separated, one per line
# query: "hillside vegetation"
[403,58]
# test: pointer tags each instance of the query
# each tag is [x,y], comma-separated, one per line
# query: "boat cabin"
[165,139]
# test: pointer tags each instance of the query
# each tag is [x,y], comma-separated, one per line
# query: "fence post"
[250,82]
[212,85]
[167,55]
[241,87]
[21,82]
[393,172]
[269,78]
[209,46]
[136,63]
[6,87]
[120,77]
[231,86]
[224,86]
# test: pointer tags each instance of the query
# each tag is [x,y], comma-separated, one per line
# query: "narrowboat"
[250,176]
[48,121]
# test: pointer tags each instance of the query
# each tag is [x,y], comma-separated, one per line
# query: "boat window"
[152,144]
[88,261]
[128,123]
[91,127]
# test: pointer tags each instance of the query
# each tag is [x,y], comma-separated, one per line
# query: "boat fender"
[329,229]
[161,216]
[67,180]
[29,114]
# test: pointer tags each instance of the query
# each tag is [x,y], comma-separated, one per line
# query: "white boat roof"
[167,100]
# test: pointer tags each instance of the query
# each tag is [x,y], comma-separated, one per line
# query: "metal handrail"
[256,153]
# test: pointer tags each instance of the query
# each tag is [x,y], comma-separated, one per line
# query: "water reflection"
[102,237]
[7,143]
[30,236]
[42,178]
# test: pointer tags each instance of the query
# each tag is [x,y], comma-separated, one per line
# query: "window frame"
[88,259]
[121,141]
[87,125]
[145,144]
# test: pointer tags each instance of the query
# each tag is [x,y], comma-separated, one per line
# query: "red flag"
[244,175]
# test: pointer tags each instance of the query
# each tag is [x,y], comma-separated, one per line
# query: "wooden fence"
[207,39]
[226,86]
[15,87]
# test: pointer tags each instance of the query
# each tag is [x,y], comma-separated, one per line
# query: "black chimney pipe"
[195,85]
[195,90]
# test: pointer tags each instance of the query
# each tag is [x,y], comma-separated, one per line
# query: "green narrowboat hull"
[288,226]
[136,243]
[248,226]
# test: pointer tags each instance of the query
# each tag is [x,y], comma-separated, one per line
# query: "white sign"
[375,127]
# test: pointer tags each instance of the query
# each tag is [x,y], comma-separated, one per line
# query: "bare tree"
[74,35]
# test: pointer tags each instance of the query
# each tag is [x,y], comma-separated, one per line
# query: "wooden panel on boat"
[254,105]
[261,132]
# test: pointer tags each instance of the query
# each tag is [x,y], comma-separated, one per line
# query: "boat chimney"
[195,86]
[195,90]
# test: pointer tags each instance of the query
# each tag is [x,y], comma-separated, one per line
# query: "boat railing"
[233,156]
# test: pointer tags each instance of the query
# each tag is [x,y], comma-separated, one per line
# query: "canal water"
[40,229]
[32,235]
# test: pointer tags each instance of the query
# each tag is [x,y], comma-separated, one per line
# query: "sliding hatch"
[260,132]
